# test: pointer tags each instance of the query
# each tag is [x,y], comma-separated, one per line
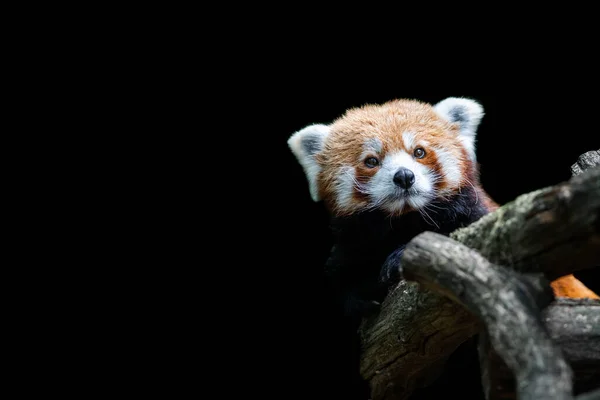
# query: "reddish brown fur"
[431,161]
[569,286]
[386,122]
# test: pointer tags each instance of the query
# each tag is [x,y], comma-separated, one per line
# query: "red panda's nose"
[404,178]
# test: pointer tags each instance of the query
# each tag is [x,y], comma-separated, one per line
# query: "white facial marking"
[409,140]
[384,191]
[373,145]
[344,188]
[450,166]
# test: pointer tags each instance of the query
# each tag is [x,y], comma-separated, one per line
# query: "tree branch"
[417,329]
[406,346]
[504,301]
[563,322]
[542,231]
[574,326]
[586,161]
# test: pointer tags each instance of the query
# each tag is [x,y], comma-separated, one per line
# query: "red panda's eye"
[419,152]
[371,162]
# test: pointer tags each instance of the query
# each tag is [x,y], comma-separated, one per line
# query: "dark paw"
[391,270]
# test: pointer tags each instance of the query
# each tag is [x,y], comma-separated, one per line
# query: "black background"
[525,142]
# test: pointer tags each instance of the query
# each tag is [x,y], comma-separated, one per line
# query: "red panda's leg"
[569,286]
[390,273]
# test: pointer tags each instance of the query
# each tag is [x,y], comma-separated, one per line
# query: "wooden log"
[417,330]
[555,230]
[506,302]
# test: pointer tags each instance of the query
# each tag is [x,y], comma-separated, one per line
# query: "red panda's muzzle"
[404,178]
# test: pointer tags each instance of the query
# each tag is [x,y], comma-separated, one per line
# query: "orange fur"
[569,286]
[385,123]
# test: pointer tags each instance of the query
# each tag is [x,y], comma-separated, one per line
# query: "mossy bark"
[493,277]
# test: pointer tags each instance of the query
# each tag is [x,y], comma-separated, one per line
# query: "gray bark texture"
[406,346]
[563,320]
[493,277]
[541,231]
[585,161]
[506,303]
[574,326]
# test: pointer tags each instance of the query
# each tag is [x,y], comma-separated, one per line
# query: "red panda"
[360,161]
[385,174]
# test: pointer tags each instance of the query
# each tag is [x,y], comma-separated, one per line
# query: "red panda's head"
[396,157]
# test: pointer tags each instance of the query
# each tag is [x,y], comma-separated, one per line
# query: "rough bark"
[505,302]
[406,346]
[417,329]
[541,231]
[586,161]
[564,320]
[574,326]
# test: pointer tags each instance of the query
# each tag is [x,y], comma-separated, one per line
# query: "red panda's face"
[395,157]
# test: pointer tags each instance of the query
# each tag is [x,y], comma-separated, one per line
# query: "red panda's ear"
[306,144]
[467,113]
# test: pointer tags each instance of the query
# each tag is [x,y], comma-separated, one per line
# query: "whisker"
[424,214]
[360,187]
[474,189]
[434,206]
[427,207]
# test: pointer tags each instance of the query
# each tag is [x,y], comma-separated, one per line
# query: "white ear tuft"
[466,113]
[306,144]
